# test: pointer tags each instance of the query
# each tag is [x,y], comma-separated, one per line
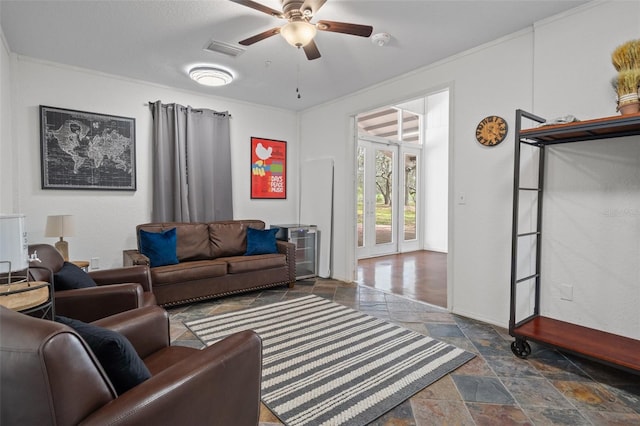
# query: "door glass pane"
[360,195]
[384,195]
[410,180]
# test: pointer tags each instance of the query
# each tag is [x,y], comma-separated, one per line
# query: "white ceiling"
[158,41]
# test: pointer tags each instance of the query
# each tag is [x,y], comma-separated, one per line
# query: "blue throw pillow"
[116,354]
[261,241]
[70,277]
[159,247]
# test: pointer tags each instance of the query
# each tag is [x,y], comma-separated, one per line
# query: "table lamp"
[60,226]
[13,244]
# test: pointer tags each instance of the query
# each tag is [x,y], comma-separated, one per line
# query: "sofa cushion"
[241,264]
[261,241]
[159,247]
[229,238]
[192,239]
[71,277]
[191,271]
[116,354]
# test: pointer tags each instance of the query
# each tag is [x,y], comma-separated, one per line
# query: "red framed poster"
[268,168]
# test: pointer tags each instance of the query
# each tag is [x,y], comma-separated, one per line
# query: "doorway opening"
[402,180]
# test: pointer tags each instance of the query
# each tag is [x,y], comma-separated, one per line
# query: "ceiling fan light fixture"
[298,33]
[210,76]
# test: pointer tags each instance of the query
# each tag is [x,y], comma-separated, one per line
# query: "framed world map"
[86,150]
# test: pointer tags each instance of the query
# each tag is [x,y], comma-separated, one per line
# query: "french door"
[387,198]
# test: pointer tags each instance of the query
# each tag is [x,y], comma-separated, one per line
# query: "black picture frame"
[87,150]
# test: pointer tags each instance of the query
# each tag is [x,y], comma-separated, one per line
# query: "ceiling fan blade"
[258,37]
[345,28]
[311,50]
[260,7]
[313,5]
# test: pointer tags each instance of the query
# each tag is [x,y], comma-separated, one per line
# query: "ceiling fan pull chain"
[298,79]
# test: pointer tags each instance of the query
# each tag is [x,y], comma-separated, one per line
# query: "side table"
[82,264]
[27,297]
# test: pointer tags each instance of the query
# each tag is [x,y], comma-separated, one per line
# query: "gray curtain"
[191,164]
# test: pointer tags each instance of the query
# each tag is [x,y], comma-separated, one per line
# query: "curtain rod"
[198,110]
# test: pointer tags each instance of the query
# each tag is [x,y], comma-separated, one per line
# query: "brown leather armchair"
[118,290]
[50,376]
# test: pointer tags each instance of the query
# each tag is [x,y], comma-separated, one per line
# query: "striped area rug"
[327,364]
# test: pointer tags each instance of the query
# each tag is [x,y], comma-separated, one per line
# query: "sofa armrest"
[134,257]
[90,304]
[219,385]
[146,328]
[289,249]
[132,274]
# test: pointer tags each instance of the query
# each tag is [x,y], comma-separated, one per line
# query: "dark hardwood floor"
[419,275]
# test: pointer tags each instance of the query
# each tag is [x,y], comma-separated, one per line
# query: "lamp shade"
[60,226]
[13,243]
[298,33]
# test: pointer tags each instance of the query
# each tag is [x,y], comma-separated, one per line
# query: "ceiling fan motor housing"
[293,10]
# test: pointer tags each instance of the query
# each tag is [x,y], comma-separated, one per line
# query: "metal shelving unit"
[605,347]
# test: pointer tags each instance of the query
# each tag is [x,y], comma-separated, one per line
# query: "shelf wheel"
[521,348]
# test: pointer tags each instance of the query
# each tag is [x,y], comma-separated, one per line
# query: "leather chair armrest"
[219,385]
[134,257]
[90,304]
[146,328]
[289,249]
[132,274]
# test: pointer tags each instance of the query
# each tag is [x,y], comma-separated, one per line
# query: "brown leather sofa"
[212,262]
[50,376]
[118,290]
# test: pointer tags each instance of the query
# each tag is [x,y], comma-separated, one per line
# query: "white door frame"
[370,248]
[351,152]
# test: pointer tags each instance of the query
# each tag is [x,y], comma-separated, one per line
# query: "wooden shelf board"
[595,344]
[600,128]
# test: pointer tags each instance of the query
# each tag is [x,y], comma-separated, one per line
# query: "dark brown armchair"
[50,376]
[118,290]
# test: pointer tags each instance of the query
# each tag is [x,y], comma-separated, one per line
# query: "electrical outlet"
[462,198]
[94,263]
[566,292]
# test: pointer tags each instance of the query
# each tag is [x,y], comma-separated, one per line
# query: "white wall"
[436,170]
[592,200]
[106,220]
[480,229]
[495,79]
[6,150]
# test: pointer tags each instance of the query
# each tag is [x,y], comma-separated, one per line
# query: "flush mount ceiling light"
[298,33]
[209,76]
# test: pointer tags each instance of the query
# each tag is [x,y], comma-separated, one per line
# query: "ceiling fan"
[298,31]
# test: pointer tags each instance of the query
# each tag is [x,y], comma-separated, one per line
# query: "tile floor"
[495,388]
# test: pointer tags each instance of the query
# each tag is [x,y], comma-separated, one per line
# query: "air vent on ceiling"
[224,48]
